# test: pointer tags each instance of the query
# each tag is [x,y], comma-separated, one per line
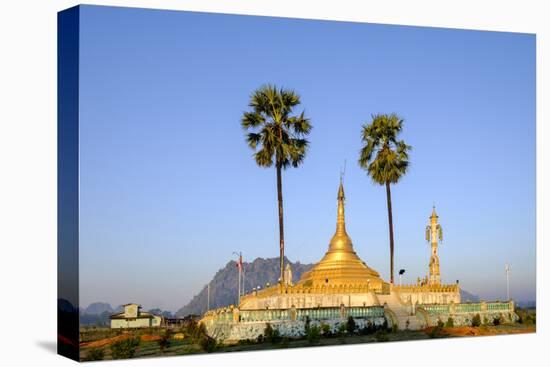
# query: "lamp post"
[507,269]
[239,268]
[401,272]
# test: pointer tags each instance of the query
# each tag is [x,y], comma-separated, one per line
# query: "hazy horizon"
[169,189]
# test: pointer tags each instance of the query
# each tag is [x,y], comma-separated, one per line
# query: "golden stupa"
[341,277]
[341,266]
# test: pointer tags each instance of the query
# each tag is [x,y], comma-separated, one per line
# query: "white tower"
[434,234]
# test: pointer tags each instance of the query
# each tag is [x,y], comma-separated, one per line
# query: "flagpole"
[508,281]
[240,269]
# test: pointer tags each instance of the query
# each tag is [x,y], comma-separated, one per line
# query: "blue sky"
[169,188]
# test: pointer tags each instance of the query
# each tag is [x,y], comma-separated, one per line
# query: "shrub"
[440,324]
[260,339]
[268,332]
[307,324]
[95,354]
[350,325]
[342,329]
[450,322]
[125,348]
[208,344]
[271,335]
[385,324]
[476,320]
[164,342]
[436,331]
[325,330]
[313,334]
[368,329]
[381,336]
[496,321]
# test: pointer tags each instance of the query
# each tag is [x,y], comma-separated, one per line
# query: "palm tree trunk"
[390,222]
[281,226]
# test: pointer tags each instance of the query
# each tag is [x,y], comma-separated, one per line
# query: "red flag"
[240,263]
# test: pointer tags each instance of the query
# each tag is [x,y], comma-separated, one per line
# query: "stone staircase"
[402,312]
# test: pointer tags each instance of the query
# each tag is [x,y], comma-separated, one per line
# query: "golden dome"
[341,265]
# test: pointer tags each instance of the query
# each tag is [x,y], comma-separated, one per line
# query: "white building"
[133,317]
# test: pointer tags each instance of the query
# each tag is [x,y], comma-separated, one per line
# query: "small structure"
[434,234]
[133,317]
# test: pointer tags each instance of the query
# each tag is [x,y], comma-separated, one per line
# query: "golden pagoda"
[341,277]
[341,266]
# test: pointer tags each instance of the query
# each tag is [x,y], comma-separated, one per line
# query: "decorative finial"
[343,172]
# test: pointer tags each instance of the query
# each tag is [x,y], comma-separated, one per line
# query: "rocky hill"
[224,285]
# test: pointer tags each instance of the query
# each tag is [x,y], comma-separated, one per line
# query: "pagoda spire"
[434,234]
[341,240]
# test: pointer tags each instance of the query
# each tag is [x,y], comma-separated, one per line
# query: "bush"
[385,324]
[95,354]
[208,344]
[436,331]
[125,348]
[307,324]
[342,329]
[271,335]
[450,322]
[164,341]
[368,329]
[325,330]
[496,321]
[313,334]
[476,320]
[350,325]
[381,336]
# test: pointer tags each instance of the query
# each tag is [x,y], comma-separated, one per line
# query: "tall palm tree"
[385,159]
[277,138]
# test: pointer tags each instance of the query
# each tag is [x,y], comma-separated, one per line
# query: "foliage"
[271,335]
[350,325]
[381,336]
[124,349]
[385,324]
[450,322]
[440,324]
[307,325]
[277,135]
[342,329]
[368,329]
[384,157]
[164,341]
[325,330]
[496,321]
[476,320]
[314,334]
[95,354]
[526,316]
[436,331]
[208,344]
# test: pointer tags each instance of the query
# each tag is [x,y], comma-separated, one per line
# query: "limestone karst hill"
[223,287]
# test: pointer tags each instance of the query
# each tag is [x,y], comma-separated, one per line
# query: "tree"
[277,138]
[385,159]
